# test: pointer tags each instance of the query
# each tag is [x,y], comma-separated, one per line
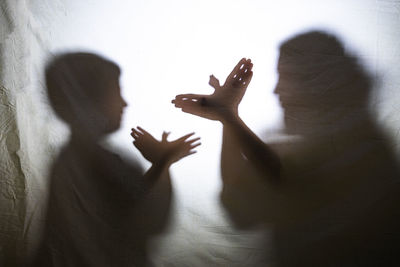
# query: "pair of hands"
[222,105]
[163,151]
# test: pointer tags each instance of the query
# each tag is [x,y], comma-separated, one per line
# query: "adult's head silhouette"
[322,88]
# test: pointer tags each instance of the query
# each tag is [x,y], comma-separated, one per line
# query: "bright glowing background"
[169,47]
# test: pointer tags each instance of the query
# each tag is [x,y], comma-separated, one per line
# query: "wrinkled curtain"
[30,138]
[26,148]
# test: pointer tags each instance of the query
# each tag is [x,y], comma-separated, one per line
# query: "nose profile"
[277,86]
[276,90]
[123,102]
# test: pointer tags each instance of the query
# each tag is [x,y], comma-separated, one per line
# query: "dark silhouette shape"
[332,194]
[101,209]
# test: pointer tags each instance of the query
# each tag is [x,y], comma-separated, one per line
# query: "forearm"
[253,148]
[154,173]
[231,155]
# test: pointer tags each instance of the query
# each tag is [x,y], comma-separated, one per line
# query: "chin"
[290,127]
[112,127]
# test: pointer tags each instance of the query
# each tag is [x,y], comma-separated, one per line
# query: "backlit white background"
[169,47]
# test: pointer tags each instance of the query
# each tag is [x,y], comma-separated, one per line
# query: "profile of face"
[112,106]
[84,91]
[294,106]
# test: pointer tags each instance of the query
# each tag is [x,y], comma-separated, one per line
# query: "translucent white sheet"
[165,48]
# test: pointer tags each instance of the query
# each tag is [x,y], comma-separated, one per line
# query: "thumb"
[165,136]
[214,82]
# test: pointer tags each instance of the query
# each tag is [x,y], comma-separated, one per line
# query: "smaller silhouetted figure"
[97,210]
[332,193]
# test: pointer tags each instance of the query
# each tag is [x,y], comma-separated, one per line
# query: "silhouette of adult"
[332,194]
[98,210]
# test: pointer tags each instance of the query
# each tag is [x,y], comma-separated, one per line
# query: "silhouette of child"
[94,216]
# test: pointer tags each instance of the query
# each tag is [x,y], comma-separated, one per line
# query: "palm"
[158,151]
[225,99]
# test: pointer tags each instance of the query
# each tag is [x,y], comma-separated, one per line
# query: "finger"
[236,76]
[185,137]
[243,80]
[191,153]
[249,63]
[165,136]
[135,134]
[188,154]
[247,79]
[197,100]
[143,130]
[186,98]
[193,140]
[235,70]
[214,82]
[195,145]
[240,64]
[247,66]
[188,102]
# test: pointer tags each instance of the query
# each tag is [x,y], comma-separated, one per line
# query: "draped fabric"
[339,150]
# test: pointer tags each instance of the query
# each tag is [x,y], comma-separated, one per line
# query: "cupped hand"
[163,151]
[225,100]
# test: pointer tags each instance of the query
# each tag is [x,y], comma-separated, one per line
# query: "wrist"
[229,116]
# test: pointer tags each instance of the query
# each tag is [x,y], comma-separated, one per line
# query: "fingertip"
[189,134]
[192,152]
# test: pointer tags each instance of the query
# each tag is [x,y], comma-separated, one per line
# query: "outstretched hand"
[224,102]
[163,151]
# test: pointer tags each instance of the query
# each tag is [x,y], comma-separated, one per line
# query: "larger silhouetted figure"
[99,213]
[332,192]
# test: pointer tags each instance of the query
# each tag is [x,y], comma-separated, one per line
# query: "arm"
[162,154]
[222,106]
[254,149]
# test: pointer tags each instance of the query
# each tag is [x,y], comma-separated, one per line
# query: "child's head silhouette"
[84,91]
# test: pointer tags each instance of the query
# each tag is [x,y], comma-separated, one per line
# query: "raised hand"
[225,100]
[163,151]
